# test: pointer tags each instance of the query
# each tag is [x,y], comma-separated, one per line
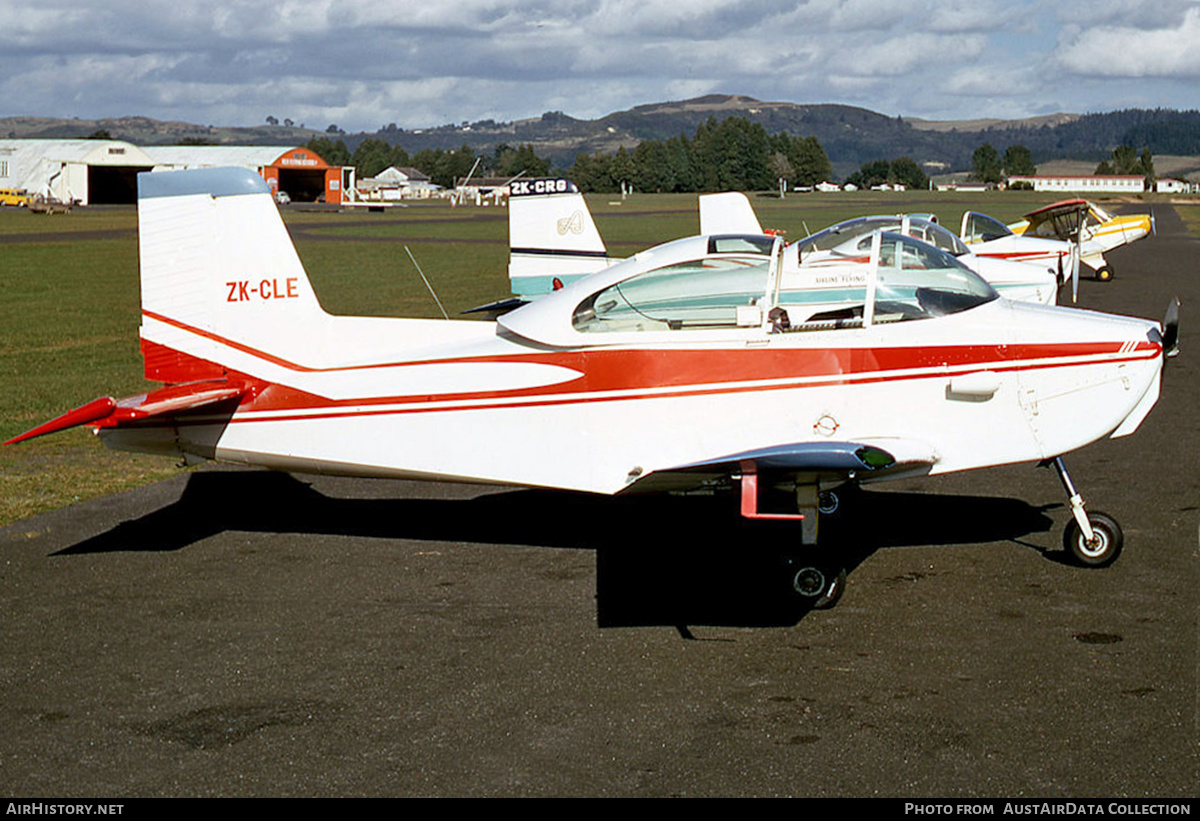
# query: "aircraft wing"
[864,460]
[1060,207]
[1061,210]
[107,412]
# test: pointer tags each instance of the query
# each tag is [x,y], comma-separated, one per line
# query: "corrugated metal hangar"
[96,172]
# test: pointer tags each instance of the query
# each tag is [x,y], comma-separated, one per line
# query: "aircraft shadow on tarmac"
[661,560]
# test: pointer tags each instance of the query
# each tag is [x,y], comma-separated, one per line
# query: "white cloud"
[1123,51]
[363,63]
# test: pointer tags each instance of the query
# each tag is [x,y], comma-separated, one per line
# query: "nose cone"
[1085,375]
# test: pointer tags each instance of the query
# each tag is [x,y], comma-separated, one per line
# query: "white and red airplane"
[553,241]
[849,241]
[676,369]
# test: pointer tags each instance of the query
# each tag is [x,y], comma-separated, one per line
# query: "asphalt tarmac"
[245,633]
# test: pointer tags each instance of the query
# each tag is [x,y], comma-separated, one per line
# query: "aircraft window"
[942,238]
[738,244]
[982,228]
[863,227]
[703,293]
[835,235]
[928,282]
[914,280]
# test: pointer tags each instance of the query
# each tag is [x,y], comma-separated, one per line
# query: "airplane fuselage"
[484,405]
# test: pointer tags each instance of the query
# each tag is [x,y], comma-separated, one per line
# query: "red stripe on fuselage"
[650,373]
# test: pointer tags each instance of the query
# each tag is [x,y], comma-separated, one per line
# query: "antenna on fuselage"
[426,281]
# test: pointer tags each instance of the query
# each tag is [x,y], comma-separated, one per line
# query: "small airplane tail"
[222,291]
[552,238]
[729,212]
[218,272]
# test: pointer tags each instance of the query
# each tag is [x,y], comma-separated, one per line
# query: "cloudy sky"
[364,63]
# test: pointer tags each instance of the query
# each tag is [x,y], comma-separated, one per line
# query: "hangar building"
[83,171]
[297,170]
[97,172]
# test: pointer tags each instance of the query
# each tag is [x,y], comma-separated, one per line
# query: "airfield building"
[98,172]
[80,171]
[1099,183]
[397,183]
[296,170]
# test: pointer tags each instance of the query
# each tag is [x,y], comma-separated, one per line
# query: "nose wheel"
[1102,549]
[1093,539]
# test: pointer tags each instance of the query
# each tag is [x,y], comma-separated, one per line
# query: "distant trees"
[373,156]
[1126,160]
[733,154]
[903,171]
[330,150]
[870,174]
[906,172]
[985,164]
[445,167]
[509,162]
[806,160]
[1018,160]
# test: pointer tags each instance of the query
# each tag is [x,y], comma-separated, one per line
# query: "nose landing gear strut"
[1093,539]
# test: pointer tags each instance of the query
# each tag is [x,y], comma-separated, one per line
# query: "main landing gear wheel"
[1105,546]
[1104,274]
[820,587]
[828,502]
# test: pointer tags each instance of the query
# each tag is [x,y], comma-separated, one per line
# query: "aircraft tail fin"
[727,213]
[219,275]
[551,236]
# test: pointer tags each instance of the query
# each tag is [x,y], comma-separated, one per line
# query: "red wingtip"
[93,411]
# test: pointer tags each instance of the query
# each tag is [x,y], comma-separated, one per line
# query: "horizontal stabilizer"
[91,412]
[499,307]
[107,412]
[176,399]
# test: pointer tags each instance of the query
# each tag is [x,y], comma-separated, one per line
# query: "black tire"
[833,593]
[1104,550]
[820,587]
[1105,274]
[828,502]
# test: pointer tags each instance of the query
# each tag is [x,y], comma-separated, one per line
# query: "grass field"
[70,312]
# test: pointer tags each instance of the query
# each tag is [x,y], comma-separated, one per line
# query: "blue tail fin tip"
[216,182]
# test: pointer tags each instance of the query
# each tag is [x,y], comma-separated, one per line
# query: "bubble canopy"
[741,283]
